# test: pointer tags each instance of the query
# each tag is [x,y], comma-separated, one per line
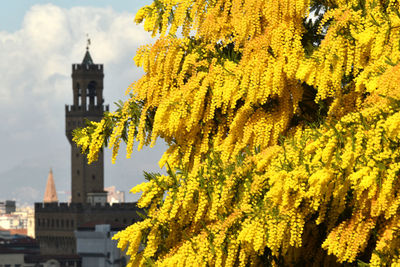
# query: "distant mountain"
[26,181]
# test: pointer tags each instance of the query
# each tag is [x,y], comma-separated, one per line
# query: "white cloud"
[35,69]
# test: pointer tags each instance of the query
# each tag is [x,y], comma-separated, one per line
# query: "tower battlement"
[87,68]
[84,207]
[71,110]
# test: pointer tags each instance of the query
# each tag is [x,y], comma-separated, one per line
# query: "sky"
[39,41]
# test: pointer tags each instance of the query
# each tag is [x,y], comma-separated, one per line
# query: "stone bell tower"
[87,181]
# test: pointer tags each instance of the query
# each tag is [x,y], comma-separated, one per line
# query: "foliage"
[283,133]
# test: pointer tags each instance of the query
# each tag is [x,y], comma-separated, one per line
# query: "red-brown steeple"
[51,194]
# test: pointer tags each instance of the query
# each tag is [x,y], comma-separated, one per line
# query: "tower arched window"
[79,89]
[79,94]
[91,93]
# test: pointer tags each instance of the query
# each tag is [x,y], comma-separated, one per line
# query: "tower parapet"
[71,109]
[87,67]
[79,207]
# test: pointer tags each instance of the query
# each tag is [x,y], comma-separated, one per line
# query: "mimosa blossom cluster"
[231,215]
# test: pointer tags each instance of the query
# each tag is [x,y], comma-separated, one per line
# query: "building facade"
[15,249]
[15,220]
[95,246]
[55,222]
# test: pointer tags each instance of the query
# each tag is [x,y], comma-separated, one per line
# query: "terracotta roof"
[51,194]
[18,231]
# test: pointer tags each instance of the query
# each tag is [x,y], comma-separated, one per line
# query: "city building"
[31,225]
[15,220]
[15,250]
[96,248]
[56,223]
[20,221]
[114,195]
[7,207]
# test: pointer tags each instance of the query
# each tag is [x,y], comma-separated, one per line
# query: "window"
[77,171]
[93,177]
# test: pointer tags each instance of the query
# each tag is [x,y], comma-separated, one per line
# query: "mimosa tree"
[282,119]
